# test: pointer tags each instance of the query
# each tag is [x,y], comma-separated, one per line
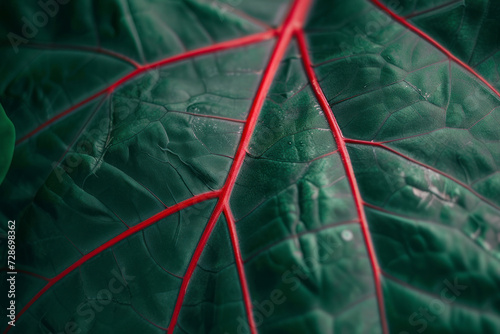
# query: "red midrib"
[292,24]
[404,21]
[346,160]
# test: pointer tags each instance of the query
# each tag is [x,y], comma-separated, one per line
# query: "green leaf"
[236,166]
[7,138]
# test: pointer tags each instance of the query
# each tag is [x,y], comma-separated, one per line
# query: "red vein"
[26,272]
[241,14]
[430,10]
[466,186]
[192,264]
[241,269]
[403,21]
[234,120]
[152,193]
[255,38]
[98,50]
[139,227]
[84,126]
[346,160]
[292,23]
[60,115]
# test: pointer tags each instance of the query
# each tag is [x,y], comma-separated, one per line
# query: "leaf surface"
[254,167]
[7,147]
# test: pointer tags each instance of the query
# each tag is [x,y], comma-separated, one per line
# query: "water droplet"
[347,235]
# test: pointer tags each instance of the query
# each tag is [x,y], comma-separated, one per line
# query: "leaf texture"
[253,167]
[7,147]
